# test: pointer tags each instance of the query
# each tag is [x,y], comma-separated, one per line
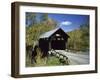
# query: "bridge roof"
[49,33]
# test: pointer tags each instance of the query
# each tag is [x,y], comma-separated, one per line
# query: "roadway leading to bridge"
[76,58]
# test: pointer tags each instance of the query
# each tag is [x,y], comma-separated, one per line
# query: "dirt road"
[76,58]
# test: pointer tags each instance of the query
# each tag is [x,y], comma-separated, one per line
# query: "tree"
[30,19]
[33,32]
[85,36]
[43,17]
[79,39]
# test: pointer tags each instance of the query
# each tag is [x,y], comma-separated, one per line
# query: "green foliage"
[43,17]
[34,31]
[30,19]
[37,24]
[53,61]
[79,39]
[46,61]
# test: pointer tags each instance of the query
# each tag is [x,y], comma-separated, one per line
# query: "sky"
[69,22]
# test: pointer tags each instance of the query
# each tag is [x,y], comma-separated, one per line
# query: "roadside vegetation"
[79,39]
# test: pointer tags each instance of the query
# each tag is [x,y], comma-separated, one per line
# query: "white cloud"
[65,23]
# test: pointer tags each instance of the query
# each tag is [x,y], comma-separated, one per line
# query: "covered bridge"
[55,39]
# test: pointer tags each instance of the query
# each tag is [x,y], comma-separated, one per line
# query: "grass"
[53,61]
[28,62]
[46,61]
[50,61]
[42,62]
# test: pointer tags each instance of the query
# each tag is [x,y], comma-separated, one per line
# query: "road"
[76,58]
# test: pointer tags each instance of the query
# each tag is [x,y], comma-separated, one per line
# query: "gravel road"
[76,58]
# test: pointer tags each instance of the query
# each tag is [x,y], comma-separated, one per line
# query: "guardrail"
[62,58]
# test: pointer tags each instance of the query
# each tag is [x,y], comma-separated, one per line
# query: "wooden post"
[50,45]
[65,44]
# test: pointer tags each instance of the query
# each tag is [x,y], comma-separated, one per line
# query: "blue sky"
[69,22]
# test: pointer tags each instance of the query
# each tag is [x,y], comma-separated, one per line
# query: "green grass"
[51,61]
[28,62]
[46,61]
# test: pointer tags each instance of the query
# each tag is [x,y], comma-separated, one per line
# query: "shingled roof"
[49,33]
